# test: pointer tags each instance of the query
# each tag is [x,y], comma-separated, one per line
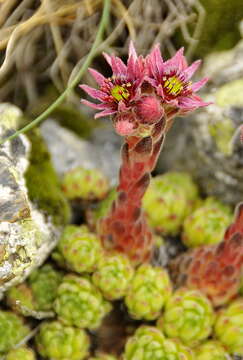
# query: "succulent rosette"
[229,327]
[78,249]
[37,293]
[149,343]
[113,276]
[86,184]
[211,350]
[188,316]
[80,303]
[148,292]
[21,353]
[169,199]
[12,330]
[57,341]
[207,224]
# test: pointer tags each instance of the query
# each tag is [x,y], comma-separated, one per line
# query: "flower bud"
[149,109]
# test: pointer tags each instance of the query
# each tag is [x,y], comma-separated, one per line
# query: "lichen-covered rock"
[213,151]
[168,200]
[79,249]
[229,327]
[113,275]
[148,292]
[27,235]
[211,350]
[60,342]
[12,330]
[85,184]
[207,224]
[21,353]
[80,303]
[35,297]
[188,316]
[149,343]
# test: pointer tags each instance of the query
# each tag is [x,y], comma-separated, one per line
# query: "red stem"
[125,228]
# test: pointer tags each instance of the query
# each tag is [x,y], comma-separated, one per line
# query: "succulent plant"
[169,199]
[87,184]
[216,270]
[149,343]
[57,341]
[148,292]
[12,330]
[78,249]
[114,273]
[229,327]
[21,353]
[80,303]
[211,350]
[37,293]
[207,224]
[188,316]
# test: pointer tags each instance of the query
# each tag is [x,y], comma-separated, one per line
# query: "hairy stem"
[125,228]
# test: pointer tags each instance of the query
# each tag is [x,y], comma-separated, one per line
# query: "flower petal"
[192,68]
[197,85]
[132,51]
[178,61]
[105,113]
[118,66]
[107,57]
[155,62]
[93,105]
[99,78]
[96,94]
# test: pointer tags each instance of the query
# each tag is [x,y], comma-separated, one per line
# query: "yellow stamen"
[173,85]
[119,92]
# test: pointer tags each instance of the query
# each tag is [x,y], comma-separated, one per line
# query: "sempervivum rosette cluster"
[21,353]
[142,97]
[148,292]
[229,327]
[79,303]
[149,343]
[57,341]
[188,317]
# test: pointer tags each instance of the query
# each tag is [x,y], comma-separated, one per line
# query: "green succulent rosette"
[149,343]
[168,200]
[207,224]
[211,350]
[87,184]
[80,303]
[21,353]
[229,327]
[57,341]
[188,316]
[148,292]
[113,276]
[78,250]
[12,330]
[37,293]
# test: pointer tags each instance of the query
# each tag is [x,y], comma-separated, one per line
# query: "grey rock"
[26,238]
[212,149]
[69,151]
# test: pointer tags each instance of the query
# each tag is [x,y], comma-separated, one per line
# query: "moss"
[42,182]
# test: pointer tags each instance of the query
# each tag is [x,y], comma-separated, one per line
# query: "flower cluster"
[145,90]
